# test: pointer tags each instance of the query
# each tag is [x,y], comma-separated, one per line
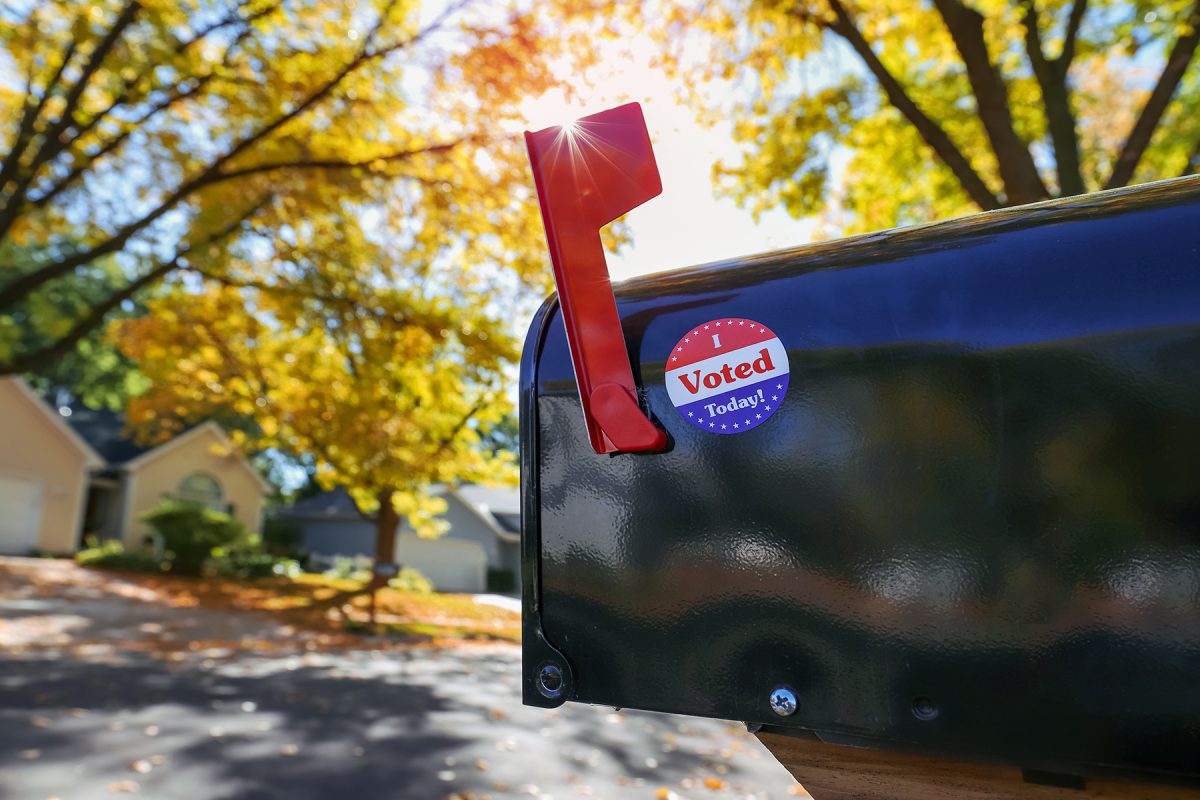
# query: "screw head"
[924,709]
[783,701]
[550,680]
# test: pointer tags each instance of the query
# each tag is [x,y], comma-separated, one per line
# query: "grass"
[329,604]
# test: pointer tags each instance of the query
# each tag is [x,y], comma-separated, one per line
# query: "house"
[72,472]
[484,534]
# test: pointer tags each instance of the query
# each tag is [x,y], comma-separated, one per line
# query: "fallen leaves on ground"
[317,602]
[314,612]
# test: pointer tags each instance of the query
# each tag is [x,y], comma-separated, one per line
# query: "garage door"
[451,566]
[20,515]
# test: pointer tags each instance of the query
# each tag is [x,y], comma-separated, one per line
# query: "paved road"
[107,690]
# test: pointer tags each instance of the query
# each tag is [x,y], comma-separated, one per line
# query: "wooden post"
[839,772]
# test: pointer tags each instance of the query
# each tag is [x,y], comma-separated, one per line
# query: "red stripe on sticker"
[717,337]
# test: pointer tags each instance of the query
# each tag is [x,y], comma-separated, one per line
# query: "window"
[203,489]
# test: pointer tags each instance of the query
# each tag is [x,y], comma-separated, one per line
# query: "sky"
[688,223]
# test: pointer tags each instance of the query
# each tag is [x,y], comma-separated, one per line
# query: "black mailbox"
[932,491]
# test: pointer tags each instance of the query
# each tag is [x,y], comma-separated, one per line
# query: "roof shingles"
[105,432]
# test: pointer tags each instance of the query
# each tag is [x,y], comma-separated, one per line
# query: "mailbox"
[932,492]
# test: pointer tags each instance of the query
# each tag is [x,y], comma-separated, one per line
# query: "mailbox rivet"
[783,702]
[550,681]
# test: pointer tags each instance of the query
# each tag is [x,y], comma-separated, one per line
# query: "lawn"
[342,605]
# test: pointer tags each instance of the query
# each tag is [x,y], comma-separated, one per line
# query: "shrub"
[501,580]
[112,555]
[356,568]
[191,532]
[411,580]
[281,537]
[250,563]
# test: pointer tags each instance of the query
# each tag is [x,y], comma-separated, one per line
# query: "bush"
[191,532]
[281,537]
[112,555]
[411,580]
[501,580]
[250,563]
[356,568]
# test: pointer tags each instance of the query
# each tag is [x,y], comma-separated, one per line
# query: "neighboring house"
[484,534]
[44,469]
[69,473]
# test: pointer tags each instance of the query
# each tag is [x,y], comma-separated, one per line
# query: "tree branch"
[129,86]
[112,144]
[1052,80]
[1022,184]
[1071,36]
[1156,105]
[932,133]
[30,117]
[17,289]
[52,140]
[343,302]
[175,94]
[341,164]
[41,357]
[1193,163]
[35,359]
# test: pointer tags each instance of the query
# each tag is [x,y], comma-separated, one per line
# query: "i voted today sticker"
[728,375]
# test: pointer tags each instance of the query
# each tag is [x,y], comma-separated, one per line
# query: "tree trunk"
[386,522]
[1022,184]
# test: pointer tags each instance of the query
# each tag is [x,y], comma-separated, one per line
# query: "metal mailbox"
[967,526]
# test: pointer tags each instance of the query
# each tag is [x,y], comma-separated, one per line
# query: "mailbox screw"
[550,681]
[783,702]
[924,709]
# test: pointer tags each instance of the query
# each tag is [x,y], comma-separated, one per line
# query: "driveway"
[106,689]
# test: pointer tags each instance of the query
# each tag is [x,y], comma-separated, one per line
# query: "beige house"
[68,473]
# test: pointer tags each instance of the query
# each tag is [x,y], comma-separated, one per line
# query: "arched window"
[203,489]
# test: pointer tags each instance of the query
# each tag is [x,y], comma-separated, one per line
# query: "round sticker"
[728,375]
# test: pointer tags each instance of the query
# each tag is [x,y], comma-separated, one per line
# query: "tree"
[174,139]
[939,108]
[503,437]
[384,404]
[92,371]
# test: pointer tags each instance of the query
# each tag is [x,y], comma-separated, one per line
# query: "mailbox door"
[970,527]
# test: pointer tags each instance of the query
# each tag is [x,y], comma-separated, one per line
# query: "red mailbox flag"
[588,174]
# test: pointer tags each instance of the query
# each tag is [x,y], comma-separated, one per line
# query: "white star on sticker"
[779,386]
[768,408]
[685,341]
[722,427]
[712,424]
[758,416]
[674,358]
[718,324]
[695,333]
[774,397]
[690,414]
[705,327]
[743,322]
[747,422]
[734,425]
